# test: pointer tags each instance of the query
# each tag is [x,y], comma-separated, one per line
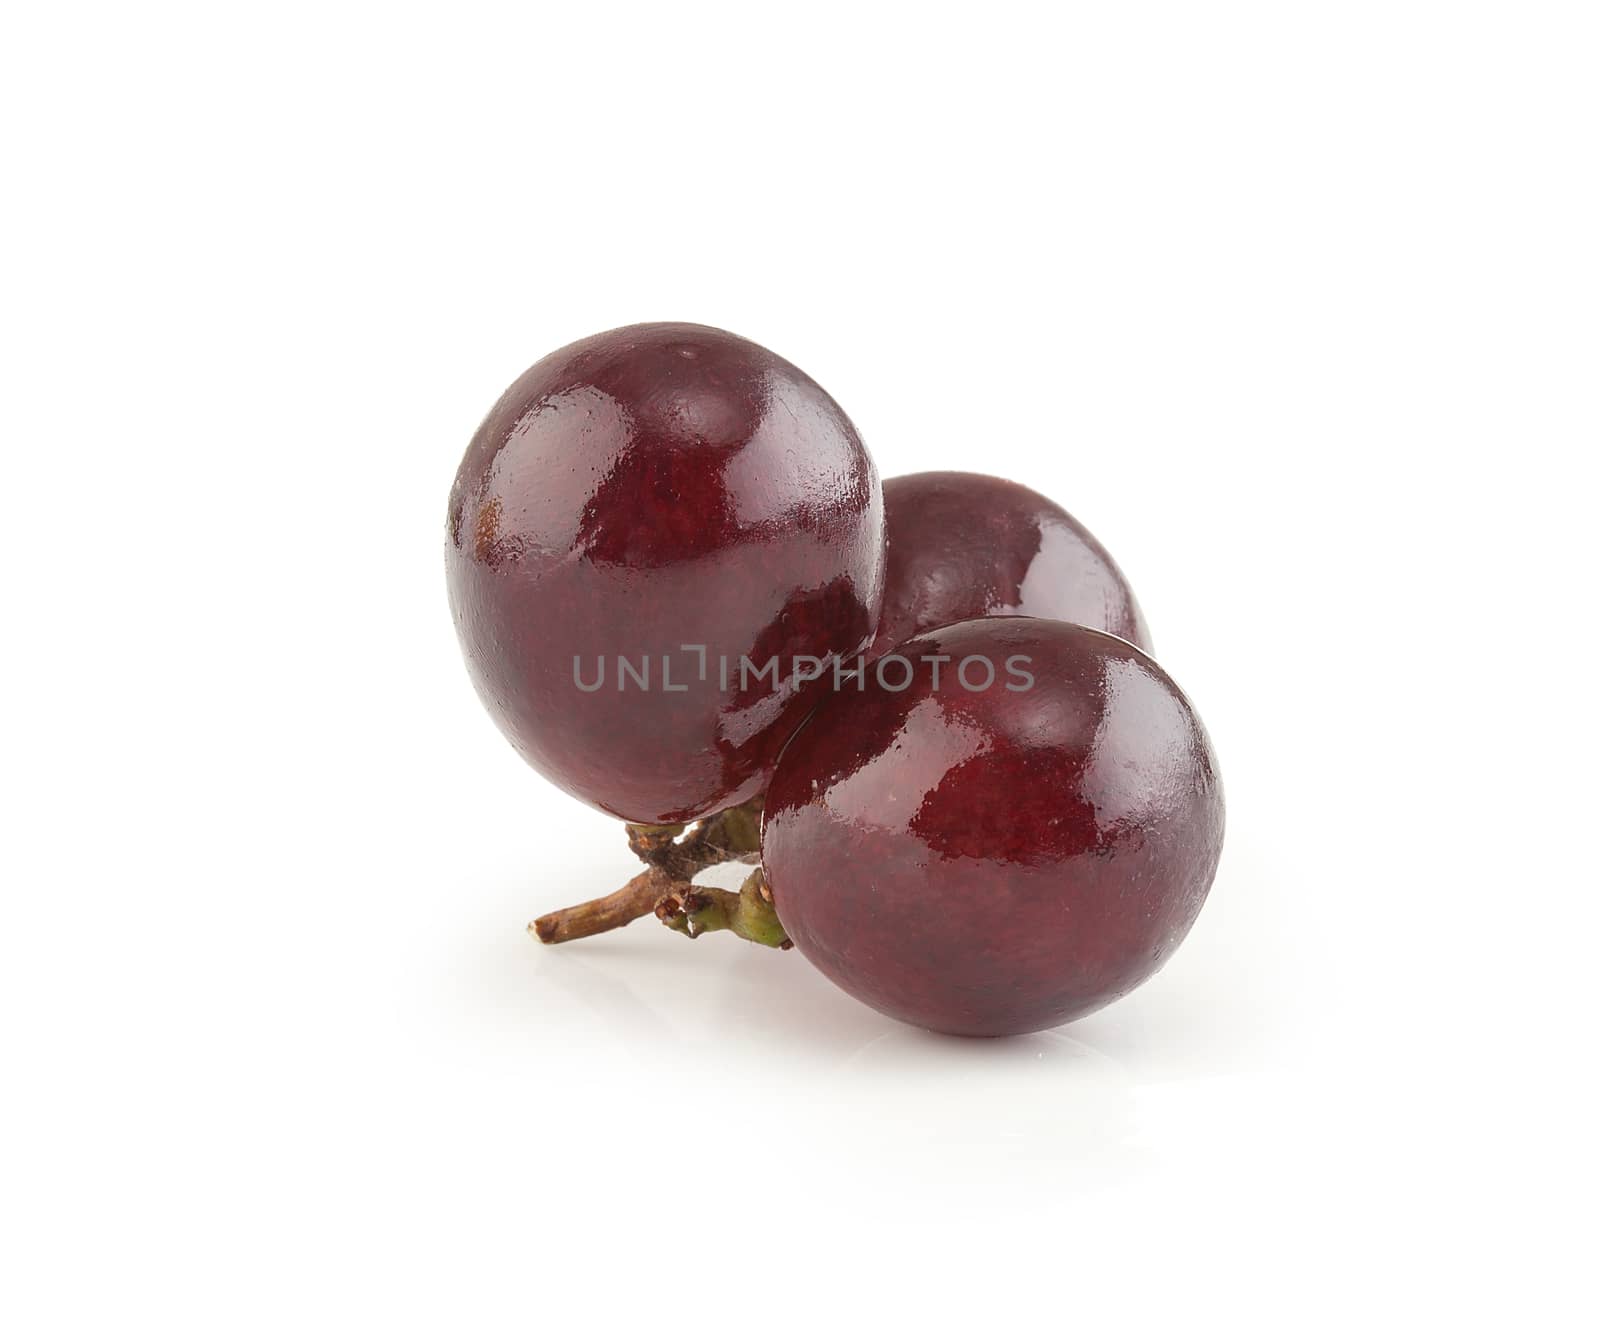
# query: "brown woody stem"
[634,900]
[730,836]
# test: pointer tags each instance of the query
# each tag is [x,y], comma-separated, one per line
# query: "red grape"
[965,545]
[676,497]
[1002,859]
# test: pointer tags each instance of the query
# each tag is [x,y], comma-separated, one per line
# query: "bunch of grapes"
[925,709]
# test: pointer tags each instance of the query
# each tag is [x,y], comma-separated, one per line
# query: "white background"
[1293,304]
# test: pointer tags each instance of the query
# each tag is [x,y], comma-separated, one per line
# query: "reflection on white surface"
[721,1029]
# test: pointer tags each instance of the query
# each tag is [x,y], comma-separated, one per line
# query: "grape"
[993,857]
[675,497]
[965,545]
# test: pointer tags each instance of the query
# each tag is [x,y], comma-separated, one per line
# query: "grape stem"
[666,886]
[747,913]
[636,899]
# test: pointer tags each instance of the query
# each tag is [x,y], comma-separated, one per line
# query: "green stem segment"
[747,913]
[725,837]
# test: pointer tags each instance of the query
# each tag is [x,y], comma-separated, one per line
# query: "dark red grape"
[965,545]
[996,860]
[658,493]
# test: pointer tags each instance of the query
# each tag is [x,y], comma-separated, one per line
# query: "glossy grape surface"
[643,490]
[996,861]
[965,545]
